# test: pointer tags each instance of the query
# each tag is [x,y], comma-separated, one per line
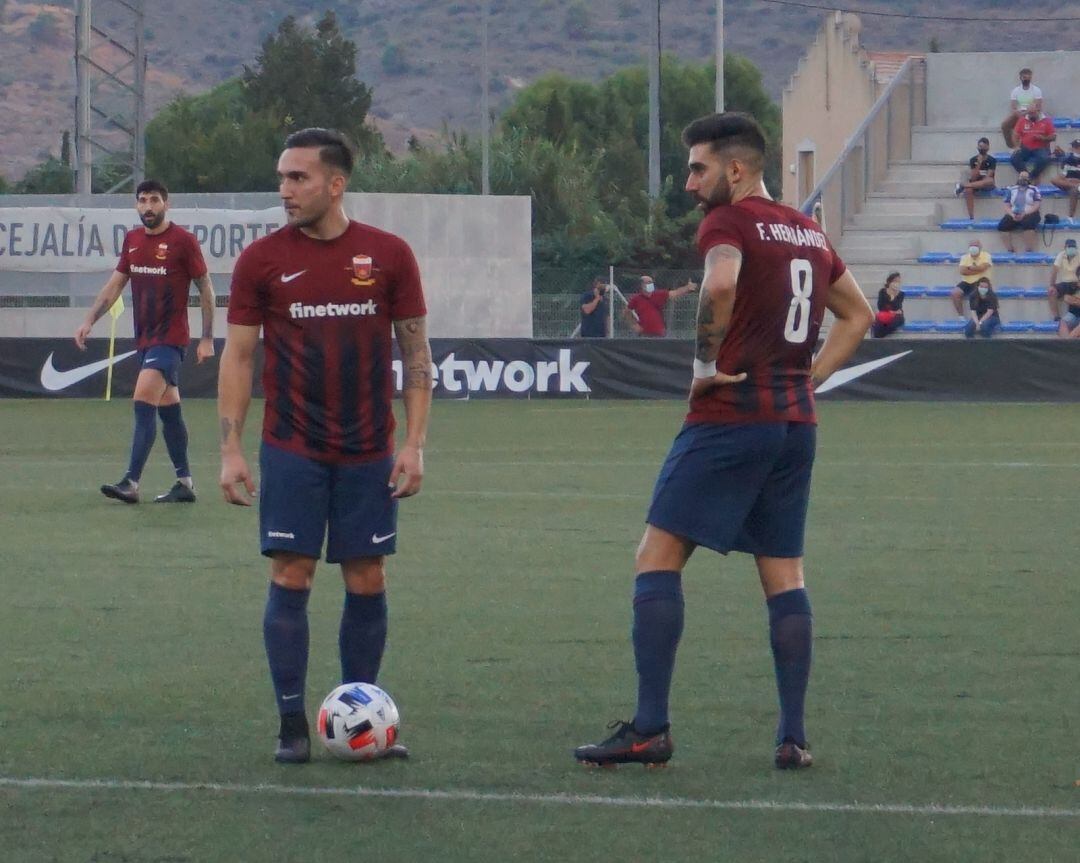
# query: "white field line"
[464,795]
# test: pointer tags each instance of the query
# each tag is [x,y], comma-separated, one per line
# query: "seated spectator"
[645,310]
[979,175]
[984,317]
[1022,204]
[975,264]
[1064,282]
[1069,178]
[1021,98]
[890,303]
[1034,133]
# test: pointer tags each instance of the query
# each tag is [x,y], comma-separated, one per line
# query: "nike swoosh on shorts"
[54,380]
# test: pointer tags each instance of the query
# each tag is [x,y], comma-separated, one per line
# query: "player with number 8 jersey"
[737,477]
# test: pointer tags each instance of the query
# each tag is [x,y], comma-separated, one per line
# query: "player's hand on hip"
[81,335]
[204,351]
[408,472]
[700,386]
[236,483]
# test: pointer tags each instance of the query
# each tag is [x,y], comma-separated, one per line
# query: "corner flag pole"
[115,311]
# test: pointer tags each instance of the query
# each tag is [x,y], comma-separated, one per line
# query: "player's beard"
[719,197]
[152,220]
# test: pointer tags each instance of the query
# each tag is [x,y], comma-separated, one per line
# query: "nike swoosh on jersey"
[376,539]
[285,279]
[846,376]
[54,380]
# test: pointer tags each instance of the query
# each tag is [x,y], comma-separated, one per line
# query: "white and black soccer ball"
[358,722]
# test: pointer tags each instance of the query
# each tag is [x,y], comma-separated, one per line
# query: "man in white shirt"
[1022,205]
[1019,100]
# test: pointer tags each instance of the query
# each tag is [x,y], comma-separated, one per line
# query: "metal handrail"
[906,70]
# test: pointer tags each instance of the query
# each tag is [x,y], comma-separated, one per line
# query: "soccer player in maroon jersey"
[161,260]
[738,474]
[326,291]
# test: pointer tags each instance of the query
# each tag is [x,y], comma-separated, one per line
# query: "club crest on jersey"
[362,268]
[162,251]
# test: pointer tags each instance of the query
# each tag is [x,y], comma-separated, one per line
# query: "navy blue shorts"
[167,359]
[737,487]
[302,500]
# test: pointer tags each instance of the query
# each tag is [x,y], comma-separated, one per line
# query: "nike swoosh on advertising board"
[53,379]
[846,376]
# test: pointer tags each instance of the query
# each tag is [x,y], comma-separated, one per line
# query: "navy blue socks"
[362,637]
[176,438]
[791,633]
[285,634]
[143,438]
[658,626]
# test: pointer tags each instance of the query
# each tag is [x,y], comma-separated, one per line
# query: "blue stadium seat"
[918,326]
[1009,293]
[1063,122]
[1003,156]
[1033,293]
[1049,191]
[1017,326]
[1032,258]
[1004,258]
[1045,327]
[915,290]
[949,326]
[939,258]
[940,292]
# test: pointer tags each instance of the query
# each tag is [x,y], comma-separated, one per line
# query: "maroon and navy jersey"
[649,311]
[161,268]
[787,267]
[326,308]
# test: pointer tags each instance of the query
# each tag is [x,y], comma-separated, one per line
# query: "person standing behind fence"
[890,303]
[595,308]
[645,310]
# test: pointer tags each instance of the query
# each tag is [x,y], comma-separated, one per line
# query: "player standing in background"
[326,291]
[161,260]
[738,474]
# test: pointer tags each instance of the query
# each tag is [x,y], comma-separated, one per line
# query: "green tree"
[5,187]
[214,142]
[307,77]
[51,177]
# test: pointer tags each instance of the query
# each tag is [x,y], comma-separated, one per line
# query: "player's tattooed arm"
[206,303]
[232,430]
[415,353]
[722,264]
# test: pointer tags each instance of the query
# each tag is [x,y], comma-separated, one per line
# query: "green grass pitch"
[941,562]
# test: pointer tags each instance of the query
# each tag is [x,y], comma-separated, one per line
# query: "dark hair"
[731,129]
[148,186]
[983,141]
[1026,69]
[890,277]
[989,284]
[335,150]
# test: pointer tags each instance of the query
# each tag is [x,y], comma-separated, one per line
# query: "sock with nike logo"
[658,626]
[176,437]
[142,440]
[285,634]
[791,634]
[362,637]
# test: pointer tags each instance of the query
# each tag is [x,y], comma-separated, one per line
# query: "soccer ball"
[358,722]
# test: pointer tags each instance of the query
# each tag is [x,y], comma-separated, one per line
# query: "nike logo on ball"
[54,380]
[846,376]
[286,279]
[376,539]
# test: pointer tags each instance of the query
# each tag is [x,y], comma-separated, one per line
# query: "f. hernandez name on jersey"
[797,236]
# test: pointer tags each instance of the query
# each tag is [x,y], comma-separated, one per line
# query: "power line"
[913,17]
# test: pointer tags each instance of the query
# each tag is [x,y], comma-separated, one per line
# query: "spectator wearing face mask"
[1022,97]
[979,175]
[890,305]
[1033,133]
[645,310]
[975,264]
[1069,178]
[1064,285]
[984,318]
[1022,203]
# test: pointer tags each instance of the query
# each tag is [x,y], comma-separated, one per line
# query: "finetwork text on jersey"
[332,310]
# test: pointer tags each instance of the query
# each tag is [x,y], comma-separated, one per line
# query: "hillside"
[430,76]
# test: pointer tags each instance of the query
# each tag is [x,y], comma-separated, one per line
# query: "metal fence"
[882,138]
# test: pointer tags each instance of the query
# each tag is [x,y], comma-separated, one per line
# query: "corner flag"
[115,311]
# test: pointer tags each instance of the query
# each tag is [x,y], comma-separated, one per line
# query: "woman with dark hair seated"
[890,303]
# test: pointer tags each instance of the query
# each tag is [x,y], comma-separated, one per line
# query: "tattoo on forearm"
[710,332]
[230,427]
[415,353]
[206,294]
